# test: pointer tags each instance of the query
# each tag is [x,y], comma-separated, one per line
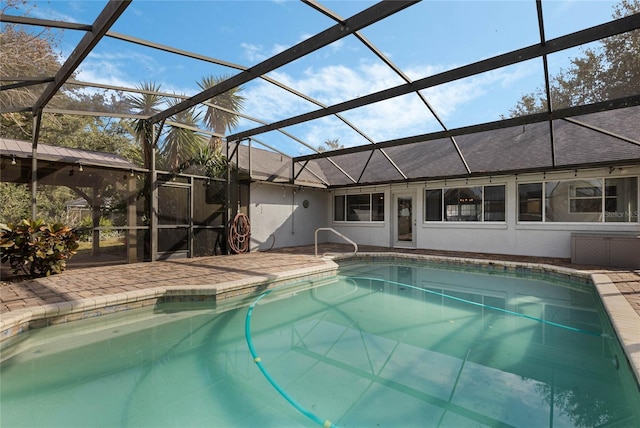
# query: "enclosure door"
[174,220]
[404,219]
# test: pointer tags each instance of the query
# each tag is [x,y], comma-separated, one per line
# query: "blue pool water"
[380,345]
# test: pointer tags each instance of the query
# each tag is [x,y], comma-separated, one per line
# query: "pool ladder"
[355,246]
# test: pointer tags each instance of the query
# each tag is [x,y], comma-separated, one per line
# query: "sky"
[422,40]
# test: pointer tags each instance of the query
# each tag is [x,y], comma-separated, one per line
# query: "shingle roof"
[577,142]
[273,167]
[22,149]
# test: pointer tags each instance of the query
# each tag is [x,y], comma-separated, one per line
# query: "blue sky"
[427,38]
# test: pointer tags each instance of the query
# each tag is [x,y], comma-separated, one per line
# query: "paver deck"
[87,282]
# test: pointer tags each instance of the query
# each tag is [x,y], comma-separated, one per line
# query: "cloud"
[52,14]
[397,117]
[112,67]
[254,53]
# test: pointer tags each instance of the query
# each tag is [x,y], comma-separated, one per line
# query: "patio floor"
[78,283]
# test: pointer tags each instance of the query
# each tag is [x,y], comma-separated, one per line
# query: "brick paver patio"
[86,282]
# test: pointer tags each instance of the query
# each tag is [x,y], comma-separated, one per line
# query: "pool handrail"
[329,229]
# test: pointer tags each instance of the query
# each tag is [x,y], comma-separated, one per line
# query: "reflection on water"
[383,345]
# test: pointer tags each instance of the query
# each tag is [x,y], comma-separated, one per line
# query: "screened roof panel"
[444,35]
[112,61]
[341,71]
[60,47]
[394,118]
[484,97]
[327,129]
[518,148]
[437,158]
[269,102]
[18,99]
[563,17]
[471,62]
[59,11]
[332,173]
[241,32]
[382,169]
[584,139]
[351,166]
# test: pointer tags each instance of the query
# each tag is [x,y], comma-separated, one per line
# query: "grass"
[114,246]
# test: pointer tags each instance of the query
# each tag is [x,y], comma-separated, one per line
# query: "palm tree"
[145,103]
[211,158]
[225,118]
[180,145]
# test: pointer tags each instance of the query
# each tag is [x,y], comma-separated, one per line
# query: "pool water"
[380,345]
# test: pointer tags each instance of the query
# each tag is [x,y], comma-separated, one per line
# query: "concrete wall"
[279,218]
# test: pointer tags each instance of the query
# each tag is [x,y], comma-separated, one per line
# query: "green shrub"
[37,248]
[85,229]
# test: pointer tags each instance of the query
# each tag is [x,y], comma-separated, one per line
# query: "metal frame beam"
[387,61]
[363,19]
[630,101]
[578,38]
[547,84]
[25,20]
[23,82]
[103,22]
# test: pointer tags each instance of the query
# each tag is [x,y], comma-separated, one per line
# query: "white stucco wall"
[279,218]
[548,239]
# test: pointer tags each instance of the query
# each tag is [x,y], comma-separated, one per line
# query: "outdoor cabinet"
[617,250]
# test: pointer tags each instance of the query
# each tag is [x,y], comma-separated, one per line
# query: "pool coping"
[15,323]
[625,319]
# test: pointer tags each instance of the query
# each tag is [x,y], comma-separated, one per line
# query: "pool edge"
[624,319]
[14,324]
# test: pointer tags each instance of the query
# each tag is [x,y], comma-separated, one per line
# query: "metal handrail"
[337,233]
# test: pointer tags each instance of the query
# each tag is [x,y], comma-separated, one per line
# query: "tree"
[181,144]
[33,54]
[15,202]
[24,53]
[219,120]
[610,70]
[146,103]
[211,159]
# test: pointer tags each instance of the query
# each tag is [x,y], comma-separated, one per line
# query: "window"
[358,207]
[338,208]
[530,202]
[476,203]
[621,199]
[463,204]
[494,203]
[585,197]
[377,207]
[433,211]
[593,200]
[361,207]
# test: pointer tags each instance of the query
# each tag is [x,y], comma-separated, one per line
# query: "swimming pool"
[383,344]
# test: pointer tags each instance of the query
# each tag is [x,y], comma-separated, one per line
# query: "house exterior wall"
[545,239]
[280,219]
